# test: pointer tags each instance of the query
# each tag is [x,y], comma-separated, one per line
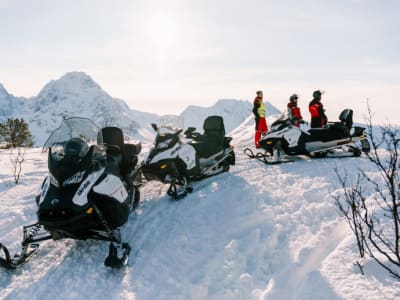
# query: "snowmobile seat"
[329,133]
[113,136]
[130,159]
[214,125]
[121,158]
[113,140]
[212,140]
[346,118]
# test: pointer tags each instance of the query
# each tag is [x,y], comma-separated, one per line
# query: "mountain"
[77,94]
[234,113]
[9,104]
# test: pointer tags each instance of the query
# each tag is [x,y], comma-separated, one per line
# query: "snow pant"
[261,129]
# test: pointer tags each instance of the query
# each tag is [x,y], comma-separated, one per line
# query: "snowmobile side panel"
[112,187]
[45,189]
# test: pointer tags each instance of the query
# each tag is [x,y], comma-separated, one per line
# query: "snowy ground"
[257,232]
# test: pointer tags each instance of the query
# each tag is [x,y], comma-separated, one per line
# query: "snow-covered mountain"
[77,94]
[9,104]
[234,113]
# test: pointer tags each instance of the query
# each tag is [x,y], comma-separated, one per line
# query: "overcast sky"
[161,56]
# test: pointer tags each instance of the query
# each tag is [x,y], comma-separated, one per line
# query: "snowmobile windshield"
[73,138]
[169,124]
[284,119]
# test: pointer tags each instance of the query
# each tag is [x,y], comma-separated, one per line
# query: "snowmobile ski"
[32,235]
[266,158]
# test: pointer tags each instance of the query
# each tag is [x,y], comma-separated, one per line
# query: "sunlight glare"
[162,30]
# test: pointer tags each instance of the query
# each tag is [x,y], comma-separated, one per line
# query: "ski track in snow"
[257,232]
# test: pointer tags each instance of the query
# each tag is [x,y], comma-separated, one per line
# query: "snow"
[256,232]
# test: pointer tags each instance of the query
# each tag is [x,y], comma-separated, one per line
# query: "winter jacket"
[258,108]
[318,117]
[294,111]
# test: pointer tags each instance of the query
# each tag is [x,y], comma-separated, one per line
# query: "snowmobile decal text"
[80,198]
[82,188]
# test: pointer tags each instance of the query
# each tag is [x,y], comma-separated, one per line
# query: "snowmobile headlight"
[163,166]
[76,178]
[54,180]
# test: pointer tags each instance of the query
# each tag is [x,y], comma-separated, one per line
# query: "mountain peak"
[76,85]
[3,91]
[76,76]
[73,80]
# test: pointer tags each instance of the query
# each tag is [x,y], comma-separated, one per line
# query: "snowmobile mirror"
[154,126]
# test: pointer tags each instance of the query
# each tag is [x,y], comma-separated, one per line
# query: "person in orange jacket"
[294,110]
[317,111]
[259,115]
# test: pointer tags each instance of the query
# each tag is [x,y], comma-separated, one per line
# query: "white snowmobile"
[335,139]
[178,160]
[89,192]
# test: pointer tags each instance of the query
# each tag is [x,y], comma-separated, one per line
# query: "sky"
[161,56]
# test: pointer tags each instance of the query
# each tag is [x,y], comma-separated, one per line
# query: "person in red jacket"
[259,115]
[317,111]
[294,111]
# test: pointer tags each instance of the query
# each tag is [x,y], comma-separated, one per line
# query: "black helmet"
[317,94]
[293,97]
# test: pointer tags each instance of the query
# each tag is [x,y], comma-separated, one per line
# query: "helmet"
[293,97]
[317,94]
[258,93]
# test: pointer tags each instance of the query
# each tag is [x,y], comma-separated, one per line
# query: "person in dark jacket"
[259,115]
[294,111]
[317,111]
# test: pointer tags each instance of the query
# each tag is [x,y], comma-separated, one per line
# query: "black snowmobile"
[88,194]
[334,140]
[179,160]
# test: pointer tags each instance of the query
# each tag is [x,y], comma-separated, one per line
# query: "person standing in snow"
[259,114]
[317,111]
[294,111]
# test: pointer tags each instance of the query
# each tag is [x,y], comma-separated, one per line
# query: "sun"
[162,30]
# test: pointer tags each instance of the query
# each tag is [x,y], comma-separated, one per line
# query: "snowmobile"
[178,160]
[89,192]
[335,139]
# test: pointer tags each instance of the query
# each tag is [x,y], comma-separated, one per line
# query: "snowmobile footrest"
[113,260]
